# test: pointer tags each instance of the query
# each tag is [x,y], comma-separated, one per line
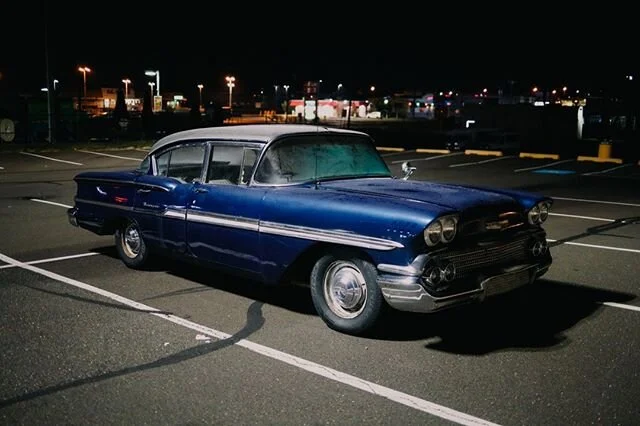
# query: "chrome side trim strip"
[103,204]
[413,270]
[224,220]
[329,236]
[123,182]
[176,214]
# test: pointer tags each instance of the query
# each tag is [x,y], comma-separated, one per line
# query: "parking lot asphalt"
[84,339]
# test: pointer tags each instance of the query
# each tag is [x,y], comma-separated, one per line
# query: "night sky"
[412,48]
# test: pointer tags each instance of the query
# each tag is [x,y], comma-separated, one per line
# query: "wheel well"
[112,224]
[300,270]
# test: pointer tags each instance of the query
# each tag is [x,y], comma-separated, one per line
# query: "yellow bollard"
[604,150]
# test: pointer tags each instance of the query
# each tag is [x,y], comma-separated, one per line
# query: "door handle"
[200,190]
[143,191]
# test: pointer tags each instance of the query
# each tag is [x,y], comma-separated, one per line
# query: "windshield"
[306,158]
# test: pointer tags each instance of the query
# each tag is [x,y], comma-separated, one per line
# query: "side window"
[250,157]
[144,165]
[162,163]
[183,163]
[225,165]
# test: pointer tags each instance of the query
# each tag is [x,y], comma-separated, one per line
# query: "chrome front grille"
[472,260]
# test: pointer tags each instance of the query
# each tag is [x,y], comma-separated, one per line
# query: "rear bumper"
[72,215]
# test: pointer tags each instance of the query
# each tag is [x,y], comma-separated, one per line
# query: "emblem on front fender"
[497,225]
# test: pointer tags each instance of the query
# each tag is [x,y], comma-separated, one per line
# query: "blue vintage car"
[282,203]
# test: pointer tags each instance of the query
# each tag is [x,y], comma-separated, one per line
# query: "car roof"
[262,133]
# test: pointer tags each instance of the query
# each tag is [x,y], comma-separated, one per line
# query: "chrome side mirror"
[407,169]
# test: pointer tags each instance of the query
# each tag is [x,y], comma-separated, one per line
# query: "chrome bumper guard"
[72,214]
[406,293]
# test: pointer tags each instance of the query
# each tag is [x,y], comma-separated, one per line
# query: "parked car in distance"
[483,139]
[279,203]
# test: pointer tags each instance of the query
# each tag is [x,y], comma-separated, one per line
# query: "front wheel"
[131,246]
[345,293]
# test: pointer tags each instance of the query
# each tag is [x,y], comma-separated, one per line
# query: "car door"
[162,197]
[224,212]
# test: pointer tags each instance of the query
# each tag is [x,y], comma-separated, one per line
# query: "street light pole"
[151,84]
[200,86]
[126,82]
[230,84]
[286,101]
[155,73]
[84,71]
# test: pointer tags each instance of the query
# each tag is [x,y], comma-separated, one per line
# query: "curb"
[433,151]
[388,148]
[600,160]
[482,152]
[539,156]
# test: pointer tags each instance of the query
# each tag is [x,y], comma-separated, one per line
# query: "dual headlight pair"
[539,213]
[441,230]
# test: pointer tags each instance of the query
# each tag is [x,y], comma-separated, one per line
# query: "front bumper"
[406,293]
[483,272]
[72,214]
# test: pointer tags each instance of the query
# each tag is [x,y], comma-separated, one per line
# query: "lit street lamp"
[155,74]
[230,84]
[286,101]
[200,86]
[126,82]
[84,71]
[54,84]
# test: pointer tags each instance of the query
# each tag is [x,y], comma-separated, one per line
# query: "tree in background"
[120,112]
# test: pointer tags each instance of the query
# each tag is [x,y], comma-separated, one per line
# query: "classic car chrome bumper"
[406,292]
[72,216]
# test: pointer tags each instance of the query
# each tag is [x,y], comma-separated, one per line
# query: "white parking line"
[51,159]
[622,306]
[1,168]
[53,259]
[389,154]
[429,158]
[50,202]
[615,203]
[481,162]
[301,363]
[602,219]
[571,243]
[607,170]
[141,149]
[555,163]
[109,155]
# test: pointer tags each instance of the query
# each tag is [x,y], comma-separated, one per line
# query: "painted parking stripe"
[51,159]
[622,306]
[301,363]
[52,259]
[582,200]
[607,170]
[481,162]
[429,158]
[555,163]
[389,154]
[110,155]
[571,243]
[50,202]
[602,219]
[1,168]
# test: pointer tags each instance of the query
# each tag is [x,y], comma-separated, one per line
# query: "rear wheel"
[345,293]
[131,246]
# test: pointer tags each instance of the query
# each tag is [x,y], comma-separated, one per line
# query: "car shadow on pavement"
[291,297]
[531,318]
[254,322]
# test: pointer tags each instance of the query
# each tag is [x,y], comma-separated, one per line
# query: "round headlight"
[433,233]
[544,212]
[534,215]
[448,229]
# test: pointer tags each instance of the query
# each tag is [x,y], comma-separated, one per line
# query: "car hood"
[439,196]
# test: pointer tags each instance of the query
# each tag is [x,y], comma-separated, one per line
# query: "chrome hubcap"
[131,240]
[345,289]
